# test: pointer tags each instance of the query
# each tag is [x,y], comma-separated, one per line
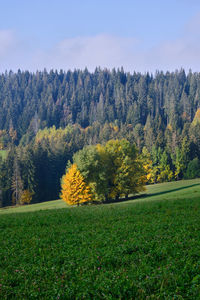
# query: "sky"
[138,35]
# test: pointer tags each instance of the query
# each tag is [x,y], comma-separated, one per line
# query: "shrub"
[193,169]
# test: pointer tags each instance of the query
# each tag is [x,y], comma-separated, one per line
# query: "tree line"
[46,117]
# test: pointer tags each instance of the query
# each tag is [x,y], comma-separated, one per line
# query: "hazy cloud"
[105,51]
[80,52]
[7,42]
[181,52]
[192,28]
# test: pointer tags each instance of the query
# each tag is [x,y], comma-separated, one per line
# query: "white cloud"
[7,42]
[80,52]
[111,51]
[184,51]
[106,51]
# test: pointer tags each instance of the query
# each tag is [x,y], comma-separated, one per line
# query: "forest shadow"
[136,197]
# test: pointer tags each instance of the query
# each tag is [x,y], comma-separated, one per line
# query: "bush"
[193,169]
[26,197]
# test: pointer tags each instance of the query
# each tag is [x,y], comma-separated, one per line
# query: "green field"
[3,153]
[145,248]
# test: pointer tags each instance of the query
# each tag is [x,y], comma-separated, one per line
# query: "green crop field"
[145,248]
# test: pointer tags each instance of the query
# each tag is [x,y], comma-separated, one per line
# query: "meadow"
[144,248]
[3,153]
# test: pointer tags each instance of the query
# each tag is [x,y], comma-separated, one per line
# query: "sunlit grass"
[154,192]
[3,153]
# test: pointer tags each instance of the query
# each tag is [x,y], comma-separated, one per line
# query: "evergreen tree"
[17,184]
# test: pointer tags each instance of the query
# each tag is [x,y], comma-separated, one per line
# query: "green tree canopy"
[112,170]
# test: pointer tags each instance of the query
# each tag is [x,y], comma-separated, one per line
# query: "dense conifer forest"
[46,117]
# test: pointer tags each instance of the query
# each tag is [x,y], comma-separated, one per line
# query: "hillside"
[46,117]
[157,192]
[32,101]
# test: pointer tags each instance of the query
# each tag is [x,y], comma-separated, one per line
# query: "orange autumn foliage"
[74,189]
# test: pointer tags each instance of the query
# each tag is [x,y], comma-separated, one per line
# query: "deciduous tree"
[74,189]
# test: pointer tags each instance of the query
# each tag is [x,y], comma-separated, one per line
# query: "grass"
[3,153]
[56,204]
[145,248]
[162,191]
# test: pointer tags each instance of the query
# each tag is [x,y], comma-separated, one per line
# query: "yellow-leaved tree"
[74,190]
[26,197]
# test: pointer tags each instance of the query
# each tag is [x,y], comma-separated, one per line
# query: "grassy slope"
[162,191]
[3,153]
[56,204]
[127,250]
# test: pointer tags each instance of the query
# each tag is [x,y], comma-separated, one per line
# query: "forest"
[46,117]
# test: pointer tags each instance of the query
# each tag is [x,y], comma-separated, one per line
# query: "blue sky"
[140,35]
